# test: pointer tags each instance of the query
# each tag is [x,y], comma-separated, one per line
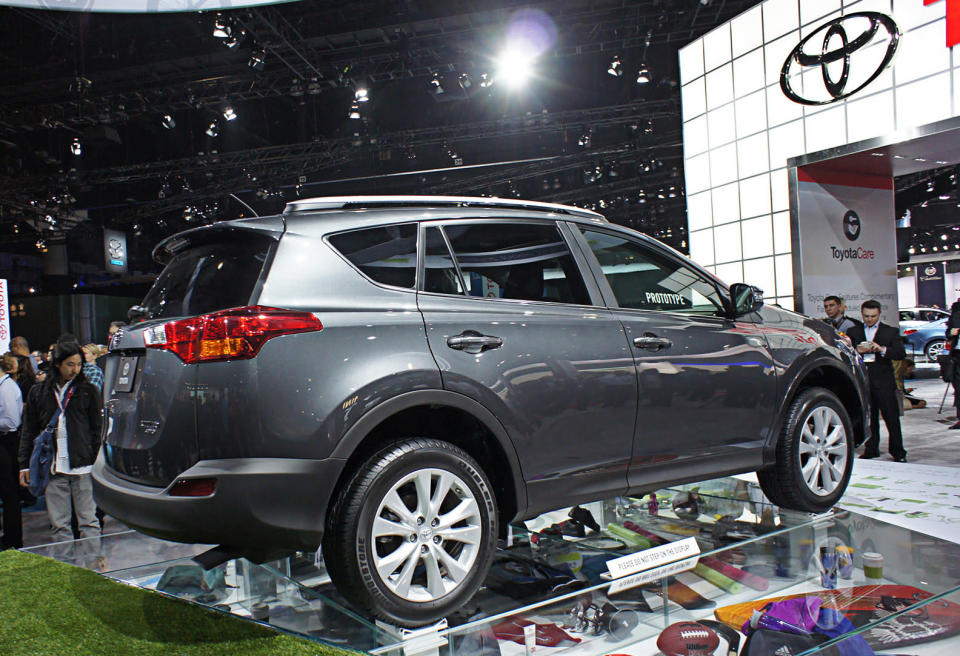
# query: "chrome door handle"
[650,343]
[473,342]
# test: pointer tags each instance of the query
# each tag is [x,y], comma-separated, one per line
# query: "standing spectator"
[77,439]
[11,409]
[880,344]
[114,327]
[91,370]
[25,377]
[19,346]
[837,317]
[953,332]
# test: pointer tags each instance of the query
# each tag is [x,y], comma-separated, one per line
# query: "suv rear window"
[208,277]
[387,255]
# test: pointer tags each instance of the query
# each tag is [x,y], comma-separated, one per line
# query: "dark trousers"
[884,401]
[10,490]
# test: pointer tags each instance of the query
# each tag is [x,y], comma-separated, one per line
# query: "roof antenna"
[234,197]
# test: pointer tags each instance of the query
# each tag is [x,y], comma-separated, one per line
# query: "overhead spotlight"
[911,250]
[943,237]
[76,148]
[168,122]
[354,111]
[41,245]
[464,81]
[258,59]
[33,290]
[213,130]
[221,27]
[188,213]
[229,114]
[616,67]
[485,81]
[643,75]
[584,139]
[361,95]
[435,84]
[235,38]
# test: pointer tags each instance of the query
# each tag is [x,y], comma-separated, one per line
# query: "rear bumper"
[258,502]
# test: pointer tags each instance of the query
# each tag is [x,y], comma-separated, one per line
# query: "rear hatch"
[150,427]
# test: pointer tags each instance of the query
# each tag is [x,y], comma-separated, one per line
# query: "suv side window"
[643,279]
[385,254]
[521,261]
[906,315]
[439,273]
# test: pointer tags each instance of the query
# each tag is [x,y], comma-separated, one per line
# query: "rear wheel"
[933,349]
[412,534]
[814,454]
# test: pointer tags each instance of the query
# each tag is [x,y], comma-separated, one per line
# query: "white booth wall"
[740,130]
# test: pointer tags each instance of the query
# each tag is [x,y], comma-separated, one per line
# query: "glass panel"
[207,278]
[387,255]
[439,273]
[644,280]
[521,261]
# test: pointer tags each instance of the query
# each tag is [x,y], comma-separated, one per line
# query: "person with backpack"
[68,404]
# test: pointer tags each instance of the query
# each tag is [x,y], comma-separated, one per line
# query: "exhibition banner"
[931,291]
[848,242]
[4,316]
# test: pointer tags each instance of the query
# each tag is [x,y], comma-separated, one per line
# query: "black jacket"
[880,371]
[84,420]
[953,322]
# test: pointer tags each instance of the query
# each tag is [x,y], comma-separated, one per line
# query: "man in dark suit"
[879,344]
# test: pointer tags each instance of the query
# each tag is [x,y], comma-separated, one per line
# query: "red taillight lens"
[909,331]
[235,334]
[194,487]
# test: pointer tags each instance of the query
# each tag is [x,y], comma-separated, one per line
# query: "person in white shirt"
[11,408]
[76,443]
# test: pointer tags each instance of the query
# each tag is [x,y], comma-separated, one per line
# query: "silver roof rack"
[361,202]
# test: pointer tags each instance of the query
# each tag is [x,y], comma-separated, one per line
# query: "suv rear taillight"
[235,334]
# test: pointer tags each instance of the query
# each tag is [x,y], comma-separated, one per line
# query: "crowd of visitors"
[50,421]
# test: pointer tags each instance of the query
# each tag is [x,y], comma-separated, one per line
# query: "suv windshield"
[207,278]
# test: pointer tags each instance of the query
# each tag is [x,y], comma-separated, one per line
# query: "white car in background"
[915,317]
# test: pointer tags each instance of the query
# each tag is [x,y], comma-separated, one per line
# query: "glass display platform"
[549,589]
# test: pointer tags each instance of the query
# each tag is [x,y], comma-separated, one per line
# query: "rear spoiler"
[270,226]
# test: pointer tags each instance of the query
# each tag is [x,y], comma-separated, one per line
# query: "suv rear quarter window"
[385,254]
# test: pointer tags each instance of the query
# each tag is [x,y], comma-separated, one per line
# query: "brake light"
[235,334]
[909,331]
[193,487]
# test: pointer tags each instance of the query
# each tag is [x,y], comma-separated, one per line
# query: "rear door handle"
[473,342]
[651,343]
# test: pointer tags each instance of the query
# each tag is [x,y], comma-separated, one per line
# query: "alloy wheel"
[427,534]
[823,450]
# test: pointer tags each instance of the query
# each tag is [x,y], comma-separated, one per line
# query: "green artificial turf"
[50,608]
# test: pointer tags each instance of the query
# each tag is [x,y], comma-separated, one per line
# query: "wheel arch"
[444,415]
[829,375]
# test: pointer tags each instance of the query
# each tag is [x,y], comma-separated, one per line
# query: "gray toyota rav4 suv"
[398,378]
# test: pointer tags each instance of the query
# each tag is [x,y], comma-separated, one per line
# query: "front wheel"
[814,454]
[934,349]
[412,534]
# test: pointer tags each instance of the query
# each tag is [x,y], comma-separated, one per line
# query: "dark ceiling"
[573,134]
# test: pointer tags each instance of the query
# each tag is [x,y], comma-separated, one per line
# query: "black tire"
[784,482]
[933,349]
[350,550]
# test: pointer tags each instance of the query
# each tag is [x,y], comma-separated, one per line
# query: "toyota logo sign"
[842,60]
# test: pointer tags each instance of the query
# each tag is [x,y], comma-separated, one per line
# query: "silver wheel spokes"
[823,450]
[426,535]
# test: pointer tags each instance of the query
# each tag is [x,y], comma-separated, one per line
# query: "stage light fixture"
[354,111]
[616,67]
[258,59]
[361,95]
[943,237]
[515,65]
[229,114]
[435,85]
[168,122]
[221,27]
[213,130]
[485,81]
[464,81]
[234,39]
[76,148]
[643,75]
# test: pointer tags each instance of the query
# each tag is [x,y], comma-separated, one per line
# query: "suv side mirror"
[744,299]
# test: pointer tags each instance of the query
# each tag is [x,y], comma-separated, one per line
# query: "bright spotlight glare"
[515,66]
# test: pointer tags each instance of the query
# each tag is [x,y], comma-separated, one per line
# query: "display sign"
[657,573]
[4,316]
[137,6]
[115,251]
[653,557]
[931,291]
[847,240]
